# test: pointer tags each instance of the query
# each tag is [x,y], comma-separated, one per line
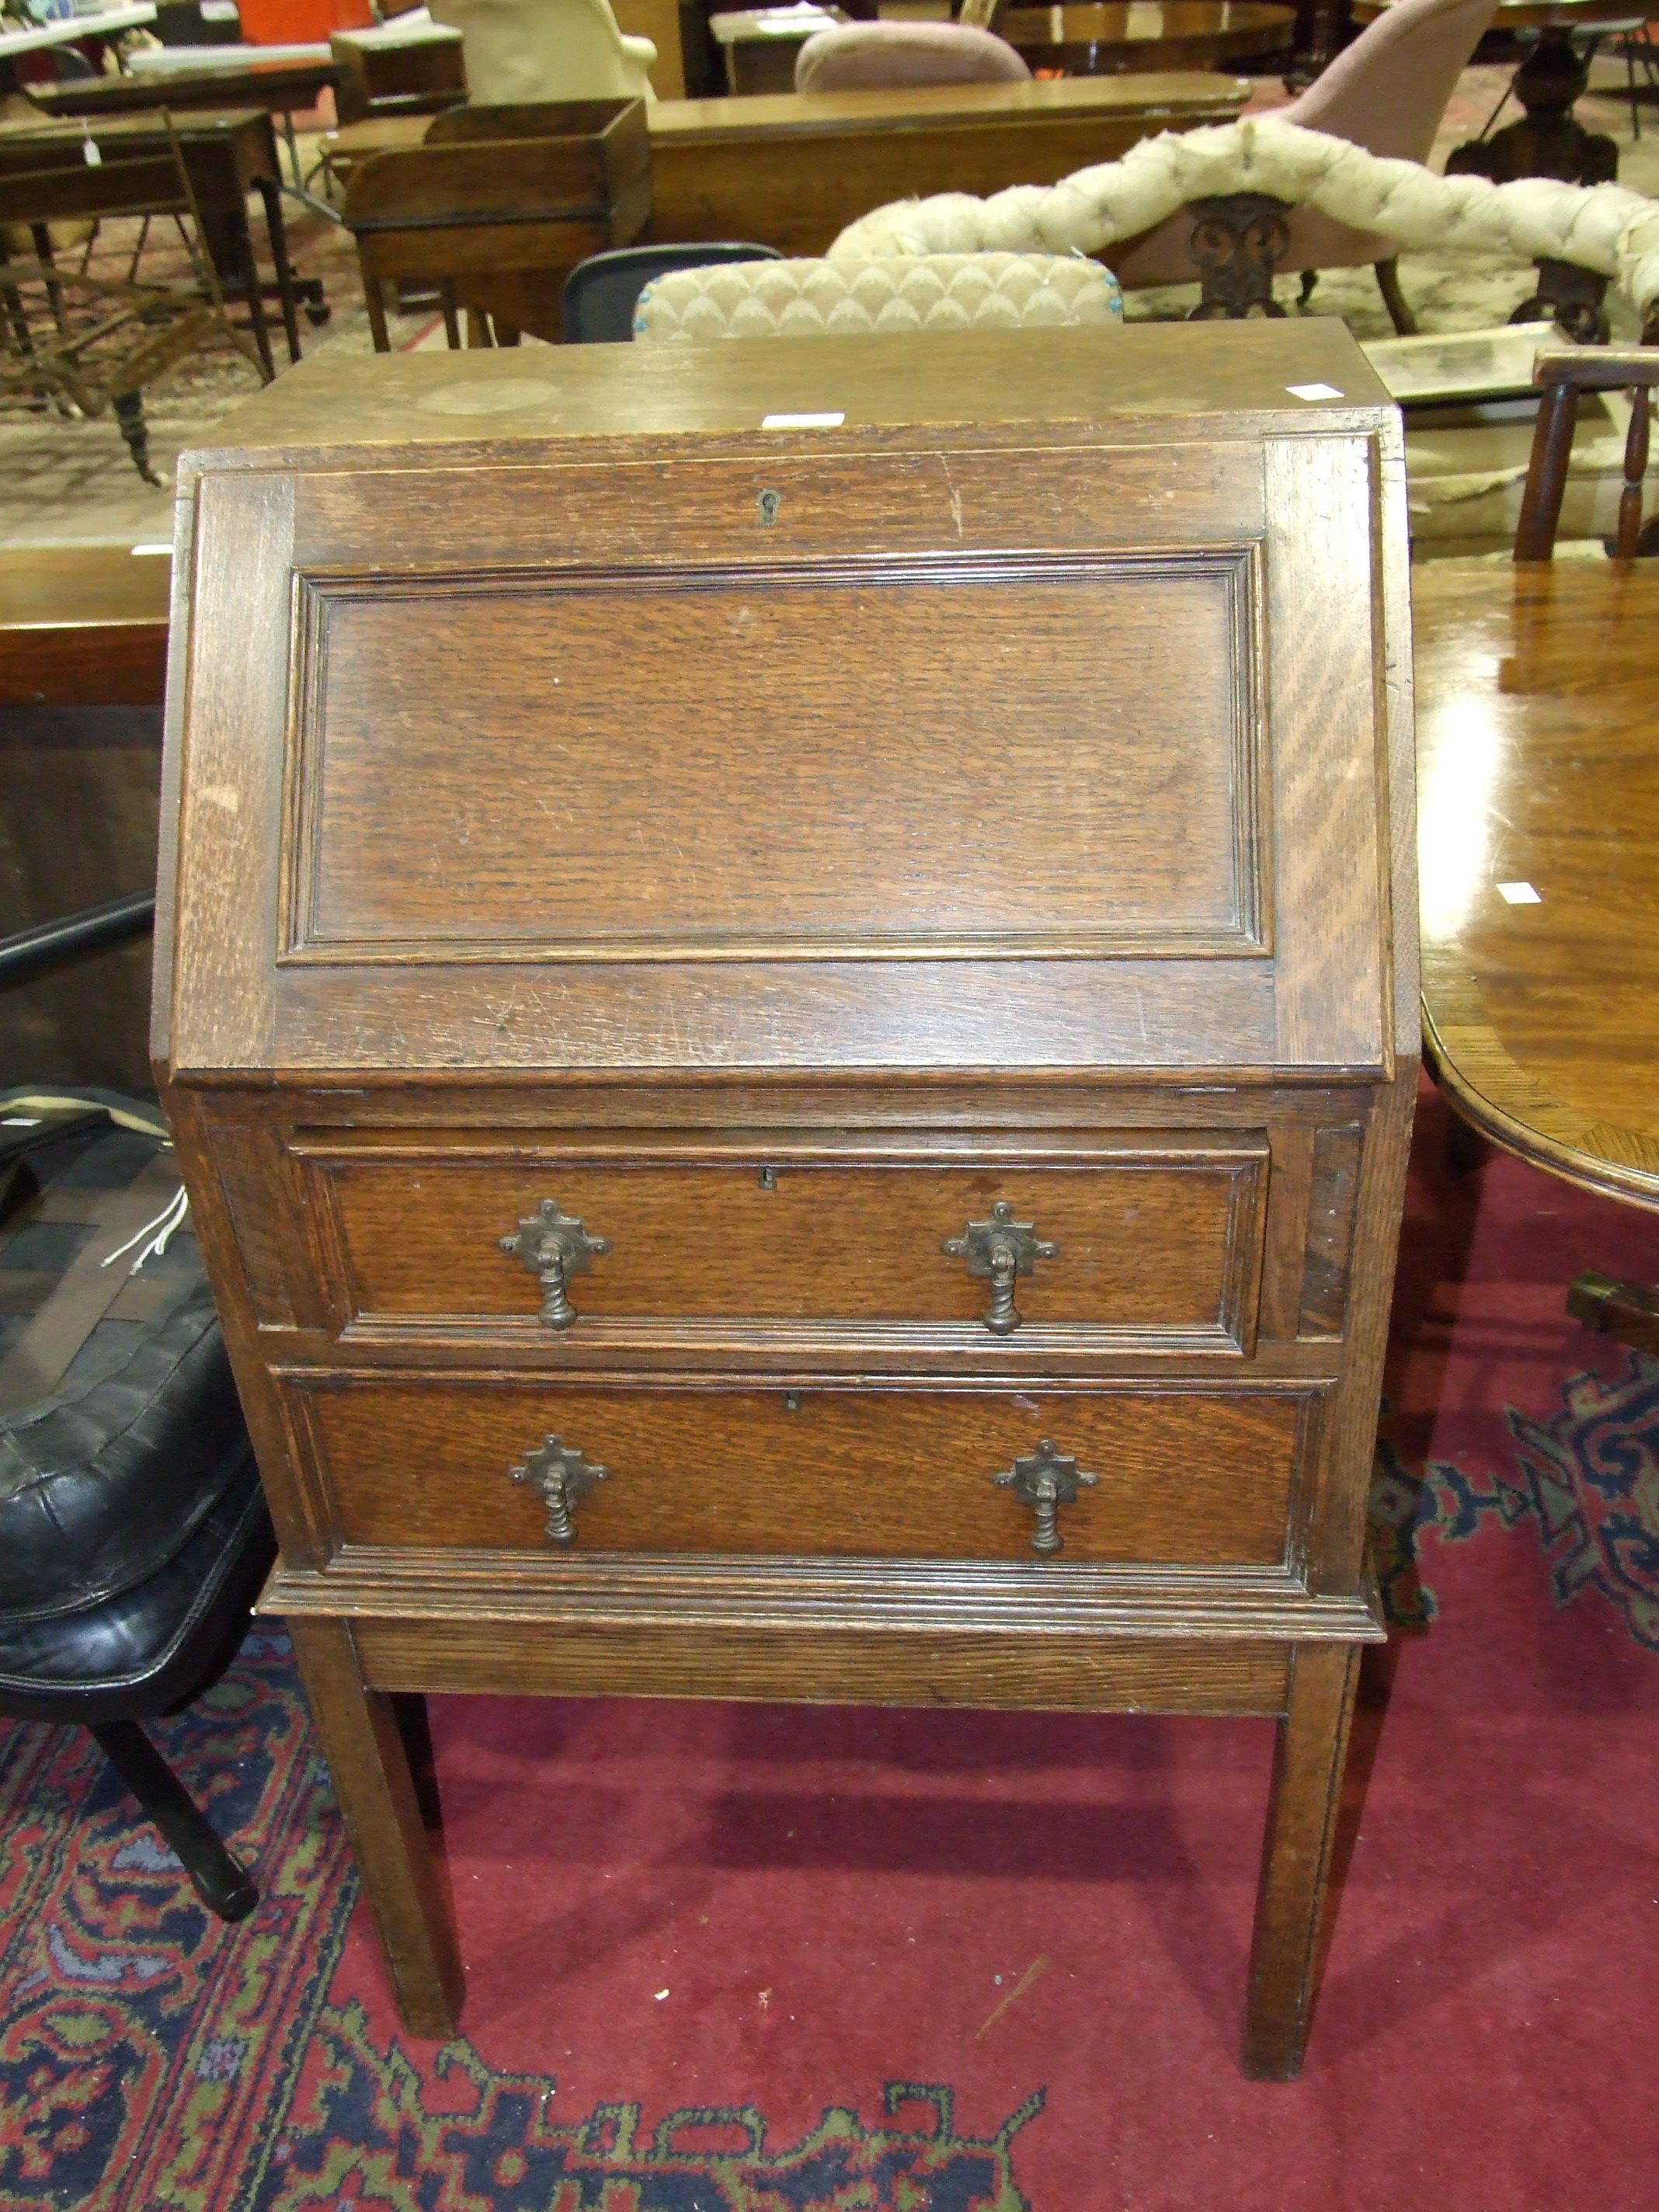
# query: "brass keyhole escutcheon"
[1046,1480]
[553,1245]
[767,502]
[561,1477]
[1000,1250]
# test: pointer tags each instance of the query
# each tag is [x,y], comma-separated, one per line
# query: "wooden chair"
[1564,377]
[71,338]
[496,218]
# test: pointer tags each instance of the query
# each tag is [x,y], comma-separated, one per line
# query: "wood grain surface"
[1159,1248]
[840,1472]
[1015,806]
[1153,1675]
[1536,687]
[1104,37]
[824,778]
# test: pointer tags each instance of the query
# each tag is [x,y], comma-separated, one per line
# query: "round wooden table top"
[1542,15]
[1538,818]
[1100,40]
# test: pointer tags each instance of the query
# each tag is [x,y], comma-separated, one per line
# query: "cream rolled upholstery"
[1602,228]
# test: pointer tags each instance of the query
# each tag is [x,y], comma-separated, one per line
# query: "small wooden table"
[226,157]
[1550,141]
[281,87]
[1111,40]
[1538,771]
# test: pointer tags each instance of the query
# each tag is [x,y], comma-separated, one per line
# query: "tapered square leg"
[1307,1789]
[403,1875]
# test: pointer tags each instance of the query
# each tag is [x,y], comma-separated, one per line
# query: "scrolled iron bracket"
[1046,1480]
[553,1245]
[563,1478]
[1000,1250]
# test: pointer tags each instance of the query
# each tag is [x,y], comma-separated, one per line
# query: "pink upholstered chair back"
[1386,91]
[861,57]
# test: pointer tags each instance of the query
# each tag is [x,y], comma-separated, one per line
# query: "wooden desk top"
[24,143]
[818,114]
[1538,765]
[1157,34]
[83,625]
[766,116]
[274,85]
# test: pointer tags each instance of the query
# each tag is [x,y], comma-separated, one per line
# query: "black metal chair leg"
[217,1877]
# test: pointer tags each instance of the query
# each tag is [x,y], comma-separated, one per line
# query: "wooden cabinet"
[794,1045]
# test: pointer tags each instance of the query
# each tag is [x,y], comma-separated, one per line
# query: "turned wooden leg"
[1387,284]
[403,1878]
[1307,1789]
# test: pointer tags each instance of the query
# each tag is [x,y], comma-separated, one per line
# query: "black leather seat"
[133,1533]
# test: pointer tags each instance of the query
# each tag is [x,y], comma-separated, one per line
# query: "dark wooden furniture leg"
[1627,1312]
[215,1876]
[1307,1788]
[375,301]
[403,1877]
[1549,140]
[270,195]
[1387,284]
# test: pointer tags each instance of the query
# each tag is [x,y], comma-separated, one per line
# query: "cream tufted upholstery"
[1599,227]
[817,299]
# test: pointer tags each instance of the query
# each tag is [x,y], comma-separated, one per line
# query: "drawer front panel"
[1150,1248]
[813,1471]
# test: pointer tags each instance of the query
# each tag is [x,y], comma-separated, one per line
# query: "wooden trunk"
[793,1046]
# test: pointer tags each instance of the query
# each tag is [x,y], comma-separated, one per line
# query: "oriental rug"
[767,1959]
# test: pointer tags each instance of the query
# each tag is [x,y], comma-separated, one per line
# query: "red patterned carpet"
[761,1959]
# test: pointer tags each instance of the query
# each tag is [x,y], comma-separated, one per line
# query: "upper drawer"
[1147,1242]
[955,756]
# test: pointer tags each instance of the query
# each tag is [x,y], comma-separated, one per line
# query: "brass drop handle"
[1046,1480]
[554,1246]
[1001,1249]
[561,1477]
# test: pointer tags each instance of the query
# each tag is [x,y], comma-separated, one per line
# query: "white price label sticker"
[1520,894]
[1314,391]
[802,421]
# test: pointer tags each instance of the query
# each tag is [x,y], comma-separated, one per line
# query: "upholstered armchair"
[521,52]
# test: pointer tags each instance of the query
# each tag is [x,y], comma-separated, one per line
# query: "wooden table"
[1550,141]
[793,169]
[82,626]
[281,87]
[759,46]
[1538,766]
[225,157]
[1147,34]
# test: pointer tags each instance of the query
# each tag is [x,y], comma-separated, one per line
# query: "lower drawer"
[1116,1474]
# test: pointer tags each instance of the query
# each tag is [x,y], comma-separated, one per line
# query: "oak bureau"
[794,1045]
